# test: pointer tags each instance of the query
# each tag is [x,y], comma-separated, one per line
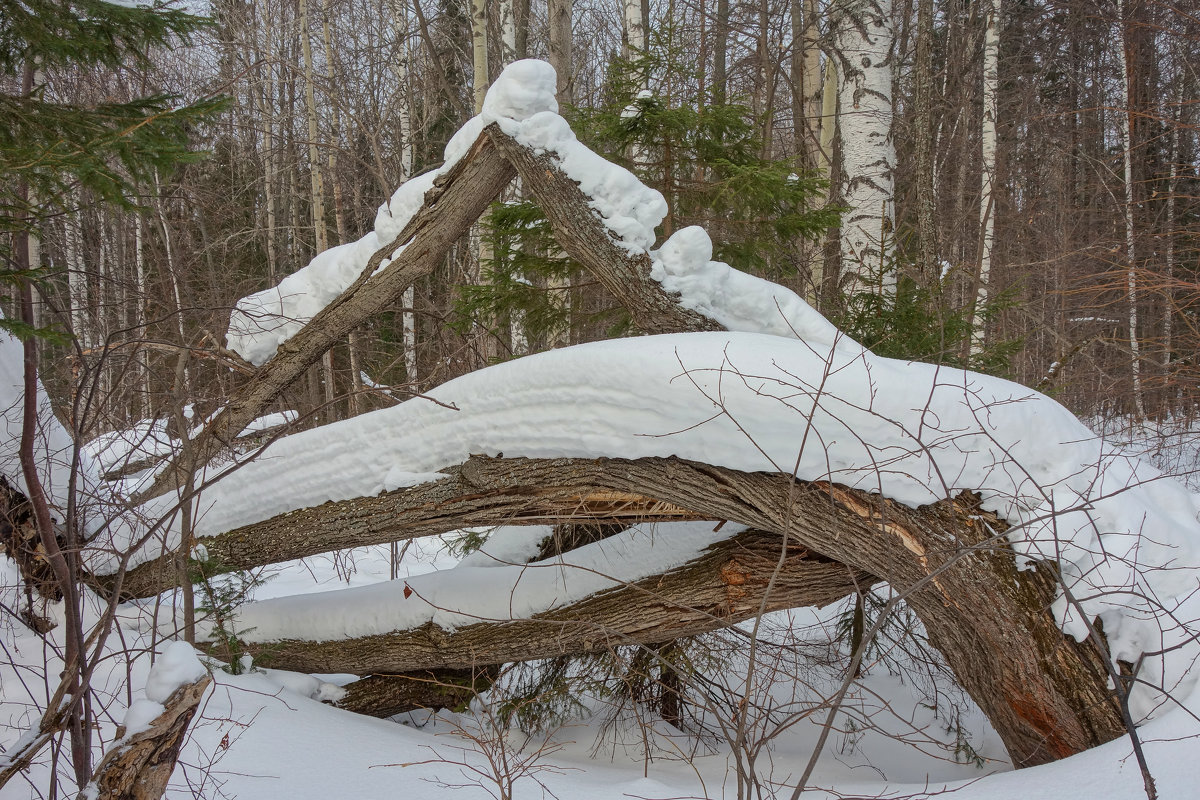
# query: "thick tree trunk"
[724,586]
[1045,694]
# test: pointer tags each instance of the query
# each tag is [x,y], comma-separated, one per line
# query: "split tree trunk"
[138,767]
[1045,694]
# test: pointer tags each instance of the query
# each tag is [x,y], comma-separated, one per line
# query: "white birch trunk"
[508,32]
[1131,284]
[408,319]
[1169,247]
[479,50]
[635,29]
[76,278]
[987,197]
[864,38]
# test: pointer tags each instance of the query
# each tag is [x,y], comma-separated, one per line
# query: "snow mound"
[467,594]
[737,300]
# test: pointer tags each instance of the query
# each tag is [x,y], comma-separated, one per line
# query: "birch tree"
[987,189]
[1127,125]
[864,38]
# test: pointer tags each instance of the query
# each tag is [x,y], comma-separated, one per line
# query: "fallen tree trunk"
[426,509]
[387,695]
[451,207]
[1045,693]
[581,234]
[726,585]
[139,766]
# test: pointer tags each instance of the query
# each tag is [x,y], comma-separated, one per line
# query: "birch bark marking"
[1126,125]
[479,52]
[987,190]
[408,316]
[864,43]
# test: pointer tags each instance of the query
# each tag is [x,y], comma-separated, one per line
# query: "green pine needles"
[712,166]
[55,154]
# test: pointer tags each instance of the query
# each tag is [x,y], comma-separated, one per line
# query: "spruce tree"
[709,161]
[52,153]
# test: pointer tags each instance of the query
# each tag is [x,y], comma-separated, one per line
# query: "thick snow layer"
[1124,536]
[737,300]
[53,446]
[148,440]
[465,595]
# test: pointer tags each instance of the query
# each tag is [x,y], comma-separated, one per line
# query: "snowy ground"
[1120,532]
[260,735]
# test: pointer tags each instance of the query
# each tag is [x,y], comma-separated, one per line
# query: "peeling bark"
[138,767]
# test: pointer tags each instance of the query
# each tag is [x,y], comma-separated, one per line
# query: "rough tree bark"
[138,767]
[584,238]
[722,587]
[1045,694]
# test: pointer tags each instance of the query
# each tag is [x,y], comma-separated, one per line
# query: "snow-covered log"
[1044,692]
[731,580]
[454,201]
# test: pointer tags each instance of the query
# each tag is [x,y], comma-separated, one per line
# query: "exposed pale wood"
[139,766]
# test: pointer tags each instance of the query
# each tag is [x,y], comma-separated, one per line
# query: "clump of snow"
[176,666]
[140,714]
[737,300]
[309,686]
[524,88]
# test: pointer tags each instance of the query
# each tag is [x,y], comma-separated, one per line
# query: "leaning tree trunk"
[451,206]
[1045,694]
